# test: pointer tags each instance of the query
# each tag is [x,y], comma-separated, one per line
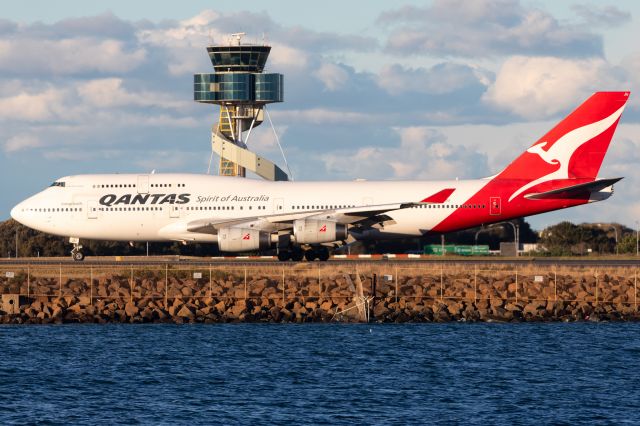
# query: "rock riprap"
[259,294]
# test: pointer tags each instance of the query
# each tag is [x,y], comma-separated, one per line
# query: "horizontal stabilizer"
[574,191]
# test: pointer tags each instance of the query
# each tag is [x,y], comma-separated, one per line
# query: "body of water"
[558,373]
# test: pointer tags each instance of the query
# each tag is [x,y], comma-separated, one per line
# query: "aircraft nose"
[16,213]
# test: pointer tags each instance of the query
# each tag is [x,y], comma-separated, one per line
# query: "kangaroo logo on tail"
[564,148]
[547,156]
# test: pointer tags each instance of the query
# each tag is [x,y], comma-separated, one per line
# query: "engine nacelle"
[242,239]
[312,231]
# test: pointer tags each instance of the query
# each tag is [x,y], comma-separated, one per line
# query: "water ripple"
[320,373]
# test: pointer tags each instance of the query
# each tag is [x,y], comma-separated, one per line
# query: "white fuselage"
[159,207]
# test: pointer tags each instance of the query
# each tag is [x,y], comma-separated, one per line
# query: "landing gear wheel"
[297,255]
[310,255]
[78,256]
[284,255]
[323,254]
[76,251]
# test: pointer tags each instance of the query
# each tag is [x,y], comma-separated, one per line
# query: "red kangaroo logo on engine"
[247,237]
[323,228]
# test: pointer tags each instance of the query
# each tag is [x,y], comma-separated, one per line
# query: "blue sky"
[375,89]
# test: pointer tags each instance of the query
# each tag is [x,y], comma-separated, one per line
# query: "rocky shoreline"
[308,295]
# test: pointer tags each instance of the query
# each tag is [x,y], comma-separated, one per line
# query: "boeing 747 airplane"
[305,218]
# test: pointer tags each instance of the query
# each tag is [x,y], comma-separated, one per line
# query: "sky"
[373,89]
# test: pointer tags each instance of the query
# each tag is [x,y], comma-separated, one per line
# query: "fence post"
[319,283]
[283,294]
[245,281]
[28,280]
[91,285]
[475,283]
[516,285]
[396,283]
[166,285]
[596,287]
[635,288]
[441,282]
[131,283]
[60,282]
[210,285]
[555,285]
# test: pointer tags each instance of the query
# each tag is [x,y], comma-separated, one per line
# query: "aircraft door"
[278,205]
[174,211]
[92,209]
[143,184]
[495,206]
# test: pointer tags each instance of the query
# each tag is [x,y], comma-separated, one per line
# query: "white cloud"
[323,116]
[21,142]
[284,57]
[262,138]
[422,153]
[332,76]
[184,42]
[68,56]
[540,87]
[110,93]
[484,27]
[439,79]
[39,106]
[202,19]
[601,16]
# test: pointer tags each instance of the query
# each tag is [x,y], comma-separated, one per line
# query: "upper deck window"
[58,184]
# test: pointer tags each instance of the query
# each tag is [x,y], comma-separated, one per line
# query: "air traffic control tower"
[242,90]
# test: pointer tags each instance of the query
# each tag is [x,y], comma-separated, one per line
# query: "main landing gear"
[76,251]
[297,254]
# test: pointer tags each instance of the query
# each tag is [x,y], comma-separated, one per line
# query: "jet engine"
[242,239]
[318,231]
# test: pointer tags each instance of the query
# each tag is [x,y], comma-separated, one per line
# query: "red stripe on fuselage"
[439,197]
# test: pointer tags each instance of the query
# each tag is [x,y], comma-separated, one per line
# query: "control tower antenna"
[238,37]
[242,90]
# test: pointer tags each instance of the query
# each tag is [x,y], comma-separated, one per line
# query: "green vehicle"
[460,250]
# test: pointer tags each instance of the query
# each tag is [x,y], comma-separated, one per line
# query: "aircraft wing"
[346,216]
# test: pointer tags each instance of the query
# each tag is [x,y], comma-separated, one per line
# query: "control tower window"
[58,184]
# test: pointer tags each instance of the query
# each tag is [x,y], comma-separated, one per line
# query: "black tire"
[78,256]
[310,255]
[284,255]
[323,254]
[297,255]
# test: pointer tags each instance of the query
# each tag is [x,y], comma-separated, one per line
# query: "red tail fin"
[574,148]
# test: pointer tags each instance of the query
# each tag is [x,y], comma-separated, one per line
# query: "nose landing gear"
[76,251]
[78,256]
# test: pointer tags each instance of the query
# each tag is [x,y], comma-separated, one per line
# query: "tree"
[565,238]
[627,243]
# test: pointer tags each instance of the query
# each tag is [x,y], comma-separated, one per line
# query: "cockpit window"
[57,184]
